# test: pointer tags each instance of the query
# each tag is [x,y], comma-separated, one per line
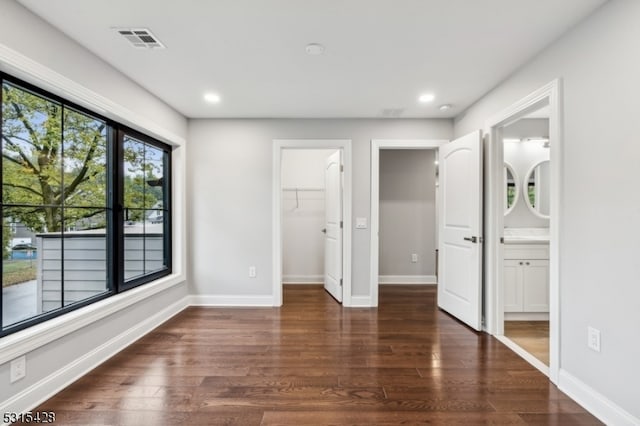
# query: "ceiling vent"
[140,38]
[392,112]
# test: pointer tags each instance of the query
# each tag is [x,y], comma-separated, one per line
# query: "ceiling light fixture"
[314,49]
[212,98]
[426,98]
[445,107]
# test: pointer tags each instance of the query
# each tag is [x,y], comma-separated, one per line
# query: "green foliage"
[6,239]
[54,162]
[17,271]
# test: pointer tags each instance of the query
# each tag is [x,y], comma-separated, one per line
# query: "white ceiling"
[380,54]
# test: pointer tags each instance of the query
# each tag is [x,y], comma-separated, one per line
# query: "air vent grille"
[140,38]
[392,112]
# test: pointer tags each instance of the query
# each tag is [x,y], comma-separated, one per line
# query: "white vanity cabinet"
[526,278]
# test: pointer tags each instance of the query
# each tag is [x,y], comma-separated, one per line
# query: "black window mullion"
[1,204]
[111,209]
[118,211]
[166,210]
[62,204]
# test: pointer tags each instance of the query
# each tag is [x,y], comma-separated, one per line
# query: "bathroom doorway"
[522,211]
[526,153]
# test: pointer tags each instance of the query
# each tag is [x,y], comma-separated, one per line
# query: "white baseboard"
[44,389]
[240,300]
[407,279]
[593,401]
[302,279]
[360,302]
[526,316]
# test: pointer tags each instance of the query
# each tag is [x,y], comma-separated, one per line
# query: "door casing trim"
[494,286]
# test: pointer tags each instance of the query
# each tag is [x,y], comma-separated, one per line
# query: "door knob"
[324,230]
[472,239]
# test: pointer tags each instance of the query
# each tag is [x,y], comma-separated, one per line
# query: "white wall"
[230,173]
[50,55]
[522,156]
[302,220]
[599,243]
[26,33]
[407,212]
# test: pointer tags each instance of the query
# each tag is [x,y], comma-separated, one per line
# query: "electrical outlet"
[18,368]
[593,338]
[414,258]
[252,272]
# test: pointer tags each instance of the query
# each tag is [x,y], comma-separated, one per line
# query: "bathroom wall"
[599,67]
[522,156]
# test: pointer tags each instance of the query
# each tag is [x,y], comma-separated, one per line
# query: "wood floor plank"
[313,362]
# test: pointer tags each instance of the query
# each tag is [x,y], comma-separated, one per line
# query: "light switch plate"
[593,339]
[361,223]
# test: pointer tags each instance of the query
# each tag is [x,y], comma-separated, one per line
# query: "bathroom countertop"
[526,235]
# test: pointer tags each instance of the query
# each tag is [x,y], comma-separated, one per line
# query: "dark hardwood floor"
[312,362]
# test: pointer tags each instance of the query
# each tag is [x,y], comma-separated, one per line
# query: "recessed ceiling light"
[314,49]
[445,107]
[426,98]
[212,98]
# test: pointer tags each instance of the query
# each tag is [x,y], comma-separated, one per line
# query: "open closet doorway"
[311,210]
[523,282]
[403,213]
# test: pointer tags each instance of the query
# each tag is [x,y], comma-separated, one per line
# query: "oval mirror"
[536,189]
[511,188]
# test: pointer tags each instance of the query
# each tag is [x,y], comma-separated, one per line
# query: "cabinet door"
[513,296]
[536,286]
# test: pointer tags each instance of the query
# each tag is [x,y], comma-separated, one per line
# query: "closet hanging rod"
[303,189]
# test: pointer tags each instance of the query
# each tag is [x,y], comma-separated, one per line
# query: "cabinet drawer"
[523,251]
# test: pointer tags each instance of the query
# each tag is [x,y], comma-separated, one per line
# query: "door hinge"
[340,282]
[501,240]
[341,168]
[341,224]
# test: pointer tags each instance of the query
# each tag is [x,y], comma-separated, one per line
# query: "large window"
[85,206]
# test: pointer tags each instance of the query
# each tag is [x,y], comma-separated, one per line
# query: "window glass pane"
[154,177]
[54,191]
[145,212]
[85,161]
[31,157]
[154,242]
[85,255]
[30,285]
[134,249]
[85,198]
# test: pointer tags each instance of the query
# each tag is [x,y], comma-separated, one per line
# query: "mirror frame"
[525,190]
[516,180]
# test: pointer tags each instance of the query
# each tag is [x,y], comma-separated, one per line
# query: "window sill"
[27,340]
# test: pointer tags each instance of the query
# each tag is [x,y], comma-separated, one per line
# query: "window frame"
[114,211]
[125,284]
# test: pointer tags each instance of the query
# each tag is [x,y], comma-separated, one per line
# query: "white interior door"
[333,225]
[460,229]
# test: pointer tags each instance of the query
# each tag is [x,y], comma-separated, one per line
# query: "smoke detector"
[314,49]
[140,38]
